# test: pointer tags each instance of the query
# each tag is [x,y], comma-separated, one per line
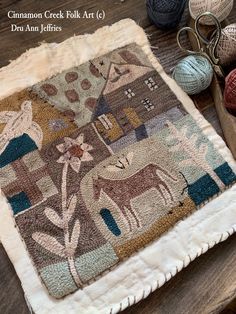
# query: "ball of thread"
[220,8]
[165,14]
[194,74]
[230,92]
[226,49]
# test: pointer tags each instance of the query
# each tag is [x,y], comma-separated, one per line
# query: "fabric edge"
[207,129]
[168,276]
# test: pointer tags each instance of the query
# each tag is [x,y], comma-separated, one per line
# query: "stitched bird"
[18,123]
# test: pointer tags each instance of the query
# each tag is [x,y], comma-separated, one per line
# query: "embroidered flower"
[75,151]
[57,124]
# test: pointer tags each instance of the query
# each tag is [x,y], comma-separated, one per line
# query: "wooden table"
[208,284]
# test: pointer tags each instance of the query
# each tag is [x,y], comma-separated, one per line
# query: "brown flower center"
[76,151]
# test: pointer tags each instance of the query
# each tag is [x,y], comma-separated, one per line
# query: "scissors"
[209,51]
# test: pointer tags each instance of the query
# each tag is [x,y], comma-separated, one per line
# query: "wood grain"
[11,297]
[208,284]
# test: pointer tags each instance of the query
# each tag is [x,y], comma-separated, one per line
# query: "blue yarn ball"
[193,74]
[165,14]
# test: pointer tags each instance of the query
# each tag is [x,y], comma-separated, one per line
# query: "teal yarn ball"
[193,74]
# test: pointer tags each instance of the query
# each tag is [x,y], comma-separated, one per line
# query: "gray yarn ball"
[193,74]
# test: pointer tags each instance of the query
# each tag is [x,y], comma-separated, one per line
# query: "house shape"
[129,98]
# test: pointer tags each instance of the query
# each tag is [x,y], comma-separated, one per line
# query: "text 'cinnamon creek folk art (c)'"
[98,161]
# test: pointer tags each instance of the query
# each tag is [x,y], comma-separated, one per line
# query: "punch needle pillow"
[111,180]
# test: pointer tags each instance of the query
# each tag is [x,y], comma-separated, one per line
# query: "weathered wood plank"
[11,296]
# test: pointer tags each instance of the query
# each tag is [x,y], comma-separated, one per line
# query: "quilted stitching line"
[147,291]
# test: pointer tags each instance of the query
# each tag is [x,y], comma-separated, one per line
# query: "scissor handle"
[190,52]
[213,43]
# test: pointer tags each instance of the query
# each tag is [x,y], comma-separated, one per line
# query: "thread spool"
[226,49]
[165,14]
[220,8]
[230,92]
[193,74]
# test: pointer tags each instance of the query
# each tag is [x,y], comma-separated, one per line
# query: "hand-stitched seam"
[153,288]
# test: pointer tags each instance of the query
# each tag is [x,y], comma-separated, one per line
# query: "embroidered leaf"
[175,148]
[184,130]
[186,162]
[170,138]
[75,237]
[194,139]
[112,168]
[71,205]
[129,157]
[53,217]
[49,243]
[203,149]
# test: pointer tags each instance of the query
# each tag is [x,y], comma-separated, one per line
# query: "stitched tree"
[197,155]
[74,153]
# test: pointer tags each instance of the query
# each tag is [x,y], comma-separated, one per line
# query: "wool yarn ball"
[220,8]
[230,92]
[226,49]
[165,14]
[193,74]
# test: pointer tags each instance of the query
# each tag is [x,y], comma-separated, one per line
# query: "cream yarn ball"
[220,8]
[226,49]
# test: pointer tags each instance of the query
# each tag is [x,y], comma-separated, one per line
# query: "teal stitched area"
[226,174]
[57,278]
[17,148]
[202,190]
[93,263]
[19,202]
[110,221]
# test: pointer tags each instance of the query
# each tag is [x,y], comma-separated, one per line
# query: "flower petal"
[86,147]
[75,165]
[80,139]
[69,142]
[67,155]
[62,160]
[75,159]
[61,148]
[86,157]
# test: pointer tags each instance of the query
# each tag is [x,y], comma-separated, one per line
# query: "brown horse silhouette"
[122,191]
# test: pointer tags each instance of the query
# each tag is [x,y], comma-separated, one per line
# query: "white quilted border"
[151,267]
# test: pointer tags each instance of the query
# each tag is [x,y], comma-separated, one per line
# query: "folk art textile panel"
[97,162]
